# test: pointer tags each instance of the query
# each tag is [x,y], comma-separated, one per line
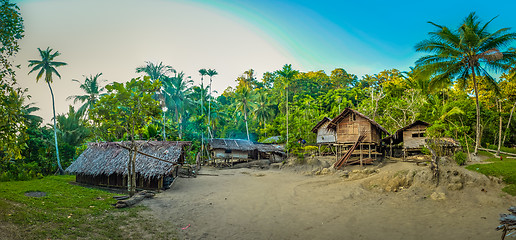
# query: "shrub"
[460,158]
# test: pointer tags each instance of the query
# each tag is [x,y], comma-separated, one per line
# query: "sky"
[113,37]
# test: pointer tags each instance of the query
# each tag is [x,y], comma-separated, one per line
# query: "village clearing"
[392,201]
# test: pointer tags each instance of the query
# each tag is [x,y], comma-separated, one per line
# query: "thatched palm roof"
[108,158]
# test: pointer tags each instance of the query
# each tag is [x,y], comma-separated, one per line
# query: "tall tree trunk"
[178,123]
[477,144]
[164,128]
[246,127]
[286,145]
[61,171]
[209,112]
[500,129]
[508,123]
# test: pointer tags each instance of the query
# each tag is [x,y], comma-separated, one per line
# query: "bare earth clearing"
[396,201]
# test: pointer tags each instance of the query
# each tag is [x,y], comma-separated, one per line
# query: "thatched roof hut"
[105,161]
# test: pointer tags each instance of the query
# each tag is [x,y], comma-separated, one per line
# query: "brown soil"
[395,201]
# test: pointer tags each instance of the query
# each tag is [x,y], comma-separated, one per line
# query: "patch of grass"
[66,212]
[505,170]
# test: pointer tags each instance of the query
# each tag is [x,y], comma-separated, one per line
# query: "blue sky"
[114,37]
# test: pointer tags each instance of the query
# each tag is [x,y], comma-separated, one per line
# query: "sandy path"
[279,204]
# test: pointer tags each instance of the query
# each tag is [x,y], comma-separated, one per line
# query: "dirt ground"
[393,201]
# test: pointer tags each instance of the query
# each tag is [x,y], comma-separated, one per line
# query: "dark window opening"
[228,151]
[420,134]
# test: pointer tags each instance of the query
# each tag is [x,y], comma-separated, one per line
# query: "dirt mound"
[406,176]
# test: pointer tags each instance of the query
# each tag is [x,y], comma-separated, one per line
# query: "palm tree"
[244,97]
[465,53]
[48,66]
[176,92]
[92,88]
[211,73]
[156,71]
[203,72]
[263,109]
[287,73]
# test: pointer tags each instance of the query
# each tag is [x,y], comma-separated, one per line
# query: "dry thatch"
[270,148]
[109,158]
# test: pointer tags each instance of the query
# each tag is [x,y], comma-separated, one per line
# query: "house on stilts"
[105,163]
[357,138]
[325,137]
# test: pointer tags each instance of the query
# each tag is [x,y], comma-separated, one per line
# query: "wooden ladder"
[344,158]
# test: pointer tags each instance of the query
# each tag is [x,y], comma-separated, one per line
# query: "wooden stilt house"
[357,137]
[105,163]
[325,137]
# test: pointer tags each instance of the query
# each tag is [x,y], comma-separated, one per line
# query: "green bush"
[460,158]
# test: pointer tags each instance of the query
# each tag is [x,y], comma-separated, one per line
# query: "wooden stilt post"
[361,155]
[391,148]
[369,150]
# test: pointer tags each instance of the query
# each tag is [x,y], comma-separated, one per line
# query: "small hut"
[238,150]
[105,163]
[273,152]
[324,135]
[349,126]
[413,135]
[231,149]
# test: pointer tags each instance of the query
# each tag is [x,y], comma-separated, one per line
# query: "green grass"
[68,212]
[505,170]
[503,149]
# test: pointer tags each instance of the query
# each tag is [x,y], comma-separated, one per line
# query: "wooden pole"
[360,155]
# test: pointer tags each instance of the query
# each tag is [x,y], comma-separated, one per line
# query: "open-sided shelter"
[235,150]
[105,163]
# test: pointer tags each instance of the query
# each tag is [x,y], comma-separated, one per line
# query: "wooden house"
[238,150]
[351,124]
[324,135]
[410,138]
[105,163]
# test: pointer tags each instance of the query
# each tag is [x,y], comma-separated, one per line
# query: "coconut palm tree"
[156,71]
[93,90]
[211,73]
[263,110]
[287,73]
[244,98]
[177,91]
[47,66]
[466,53]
